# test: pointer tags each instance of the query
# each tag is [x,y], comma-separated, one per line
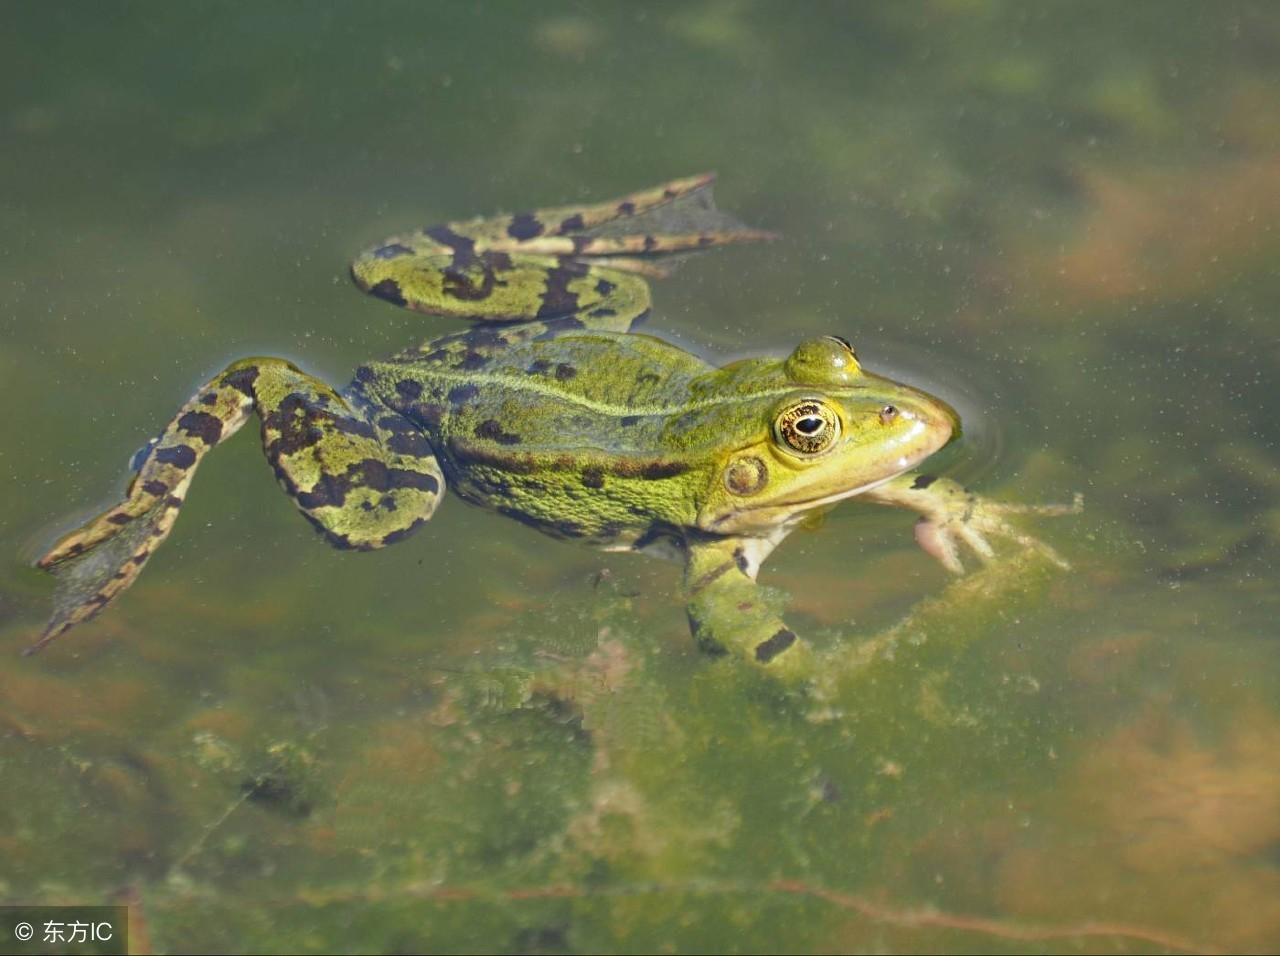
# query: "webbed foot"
[952,518]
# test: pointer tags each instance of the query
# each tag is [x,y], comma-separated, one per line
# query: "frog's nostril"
[888,414]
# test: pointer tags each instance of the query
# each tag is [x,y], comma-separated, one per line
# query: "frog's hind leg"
[588,262]
[364,480]
[509,288]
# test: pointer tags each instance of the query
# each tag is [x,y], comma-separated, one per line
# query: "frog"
[552,408]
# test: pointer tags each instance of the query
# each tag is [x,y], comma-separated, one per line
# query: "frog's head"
[834,432]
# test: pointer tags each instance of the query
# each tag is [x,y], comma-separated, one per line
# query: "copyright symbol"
[24,931]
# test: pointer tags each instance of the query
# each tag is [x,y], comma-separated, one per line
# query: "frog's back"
[608,392]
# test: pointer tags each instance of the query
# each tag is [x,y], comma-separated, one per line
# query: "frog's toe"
[90,577]
[938,543]
[989,520]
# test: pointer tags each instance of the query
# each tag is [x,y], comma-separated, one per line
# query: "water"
[1059,217]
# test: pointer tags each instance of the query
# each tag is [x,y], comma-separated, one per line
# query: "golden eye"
[808,427]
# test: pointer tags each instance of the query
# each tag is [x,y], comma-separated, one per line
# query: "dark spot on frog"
[593,477]
[650,243]
[499,261]
[572,223]
[460,282]
[557,300]
[923,481]
[627,208]
[429,414]
[180,456]
[628,420]
[462,246]
[156,488]
[706,240]
[650,470]
[491,430]
[343,424]
[604,287]
[703,641]
[828,790]
[364,374]
[472,361]
[331,490]
[482,337]
[409,389]
[242,380]
[120,518]
[524,226]
[202,425]
[740,559]
[565,372]
[766,651]
[388,290]
[652,535]
[412,443]
[392,250]
[209,398]
[462,393]
[538,367]
[602,313]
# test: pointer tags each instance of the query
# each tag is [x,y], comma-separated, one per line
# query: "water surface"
[1059,217]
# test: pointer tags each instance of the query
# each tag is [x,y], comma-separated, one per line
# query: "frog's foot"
[365,481]
[951,516]
[730,613]
[588,262]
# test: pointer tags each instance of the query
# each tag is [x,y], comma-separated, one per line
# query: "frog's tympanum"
[551,410]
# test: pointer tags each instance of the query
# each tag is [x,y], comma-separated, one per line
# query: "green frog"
[552,410]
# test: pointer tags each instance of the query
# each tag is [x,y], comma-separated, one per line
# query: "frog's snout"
[930,424]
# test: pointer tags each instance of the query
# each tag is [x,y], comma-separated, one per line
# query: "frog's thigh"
[503,287]
[363,483]
[729,612]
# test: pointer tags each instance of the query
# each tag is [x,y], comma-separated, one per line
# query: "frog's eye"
[809,427]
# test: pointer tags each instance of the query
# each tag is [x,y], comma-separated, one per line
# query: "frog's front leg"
[951,515]
[364,477]
[729,612]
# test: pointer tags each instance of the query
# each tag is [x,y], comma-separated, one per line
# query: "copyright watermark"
[48,930]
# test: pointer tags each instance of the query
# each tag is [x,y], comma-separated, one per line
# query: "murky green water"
[1061,217]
